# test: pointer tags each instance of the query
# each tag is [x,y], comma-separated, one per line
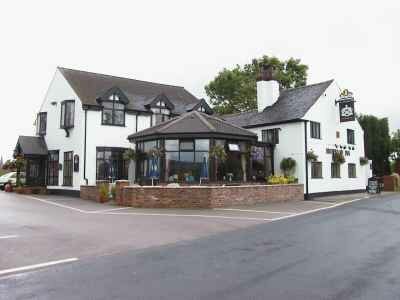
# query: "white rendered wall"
[326,112]
[99,135]
[291,144]
[59,90]
[267,93]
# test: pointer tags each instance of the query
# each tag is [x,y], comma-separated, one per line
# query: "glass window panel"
[186,145]
[150,145]
[107,104]
[171,145]
[107,116]
[119,117]
[199,157]
[187,156]
[119,106]
[202,145]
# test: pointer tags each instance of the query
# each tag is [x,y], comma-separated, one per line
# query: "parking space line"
[108,210]
[58,204]
[37,266]
[11,236]
[322,202]
[256,211]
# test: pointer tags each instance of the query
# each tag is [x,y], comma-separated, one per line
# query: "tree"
[235,90]
[377,142]
[395,145]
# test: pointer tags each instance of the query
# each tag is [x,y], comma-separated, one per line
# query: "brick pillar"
[119,186]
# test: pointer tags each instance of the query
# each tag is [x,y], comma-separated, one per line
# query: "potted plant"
[287,166]
[103,193]
[132,156]
[311,156]
[219,154]
[338,157]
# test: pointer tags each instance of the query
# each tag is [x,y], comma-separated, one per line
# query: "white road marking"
[12,236]
[58,204]
[322,202]
[255,211]
[107,210]
[37,266]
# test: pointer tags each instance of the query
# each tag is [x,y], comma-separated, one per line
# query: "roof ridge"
[175,120]
[308,85]
[227,123]
[238,113]
[120,77]
[203,119]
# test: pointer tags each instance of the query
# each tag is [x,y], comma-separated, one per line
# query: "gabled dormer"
[113,103]
[201,106]
[161,107]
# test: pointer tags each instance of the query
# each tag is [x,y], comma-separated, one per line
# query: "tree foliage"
[377,142]
[235,90]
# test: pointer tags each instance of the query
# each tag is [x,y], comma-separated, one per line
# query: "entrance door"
[35,172]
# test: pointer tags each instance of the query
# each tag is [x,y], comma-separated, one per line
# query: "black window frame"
[352,170]
[316,173]
[41,123]
[117,155]
[315,130]
[270,136]
[113,110]
[68,168]
[351,137]
[335,170]
[63,115]
[53,164]
[158,112]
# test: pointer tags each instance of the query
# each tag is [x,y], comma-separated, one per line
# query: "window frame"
[315,130]
[63,114]
[333,170]
[54,179]
[68,168]
[113,110]
[313,176]
[275,135]
[41,127]
[351,137]
[122,164]
[352,167]
[158,111]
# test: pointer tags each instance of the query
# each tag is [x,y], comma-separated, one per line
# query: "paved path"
[350,251]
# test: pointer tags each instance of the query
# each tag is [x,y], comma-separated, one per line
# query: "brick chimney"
[267,87]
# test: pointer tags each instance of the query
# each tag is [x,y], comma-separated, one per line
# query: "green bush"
[287,165]
[103,191]
[275,179]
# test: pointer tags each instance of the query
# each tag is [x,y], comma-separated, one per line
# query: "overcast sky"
[187,42]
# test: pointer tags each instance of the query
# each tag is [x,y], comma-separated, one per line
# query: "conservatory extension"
[198,148]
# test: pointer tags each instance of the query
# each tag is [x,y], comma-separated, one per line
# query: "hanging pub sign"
[76,163]
[346,106]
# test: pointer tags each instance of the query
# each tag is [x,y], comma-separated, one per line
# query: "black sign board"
[373,186]
[76,163]
[346,109]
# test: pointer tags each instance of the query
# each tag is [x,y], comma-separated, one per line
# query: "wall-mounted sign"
[76,163]
[346,106]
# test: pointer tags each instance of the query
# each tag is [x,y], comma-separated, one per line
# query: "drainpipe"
[84,150]
[307,197]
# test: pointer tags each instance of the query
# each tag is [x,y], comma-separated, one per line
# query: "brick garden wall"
[92,192]
[207,196]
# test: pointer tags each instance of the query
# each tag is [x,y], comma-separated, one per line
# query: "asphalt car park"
[40,231]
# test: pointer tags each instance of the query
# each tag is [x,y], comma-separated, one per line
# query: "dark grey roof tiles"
[88,86]
[32,145]
[194,122]
[292,104]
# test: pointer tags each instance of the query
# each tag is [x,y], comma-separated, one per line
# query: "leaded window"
[316,169]
[113,111]
[315,130]
[52,167]
[67,114]
[270,136]
[350,137]
[41,123]
[110,164]
[352,170]
[68,169]
[335,170]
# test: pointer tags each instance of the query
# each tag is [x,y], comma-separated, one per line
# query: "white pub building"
[83,125]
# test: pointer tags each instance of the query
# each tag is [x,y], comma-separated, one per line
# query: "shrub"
[103,191]
[363,161]
[338,157]
[287,165]
[113,191]
[311,156]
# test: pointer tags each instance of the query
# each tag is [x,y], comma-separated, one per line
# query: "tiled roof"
[32,145]
[89,86]
[193,123]
[292,104]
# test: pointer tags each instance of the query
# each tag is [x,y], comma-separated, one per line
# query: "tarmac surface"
[66,248]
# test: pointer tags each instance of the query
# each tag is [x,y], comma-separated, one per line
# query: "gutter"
[307,195]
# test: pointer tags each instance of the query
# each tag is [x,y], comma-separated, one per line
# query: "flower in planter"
[338,157]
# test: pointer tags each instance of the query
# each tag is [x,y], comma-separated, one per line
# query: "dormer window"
[113,111]
[201,109]
[113,103]
[160,113]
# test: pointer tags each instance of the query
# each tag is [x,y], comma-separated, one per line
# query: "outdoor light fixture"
[54,103]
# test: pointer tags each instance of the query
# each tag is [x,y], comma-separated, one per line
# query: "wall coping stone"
[206,187]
